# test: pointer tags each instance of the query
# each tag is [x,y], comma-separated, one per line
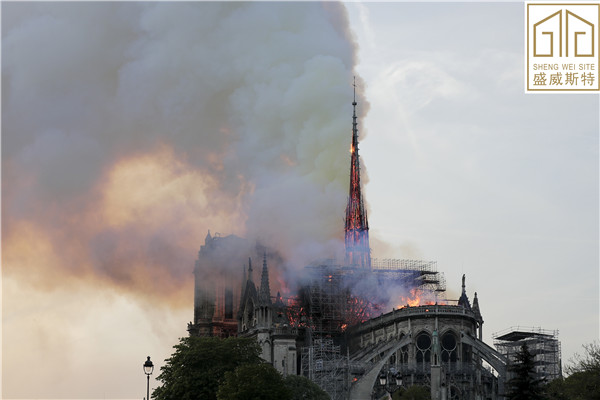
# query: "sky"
[131,129]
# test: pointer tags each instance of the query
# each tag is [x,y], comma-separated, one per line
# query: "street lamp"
[148,369]
[382,378]
[390,380]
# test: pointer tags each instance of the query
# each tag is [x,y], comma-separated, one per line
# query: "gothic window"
[423,348]
[454,393]
[401,356]
[403,353]
[449,347]
[249,314]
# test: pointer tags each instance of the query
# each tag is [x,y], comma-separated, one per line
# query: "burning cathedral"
[359,327]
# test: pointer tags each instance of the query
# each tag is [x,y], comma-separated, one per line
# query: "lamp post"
[148,369]
[390,380]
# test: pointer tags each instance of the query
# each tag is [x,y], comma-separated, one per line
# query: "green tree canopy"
[303,388]
[258,381]
[415,392]
[197,367]
[524,385]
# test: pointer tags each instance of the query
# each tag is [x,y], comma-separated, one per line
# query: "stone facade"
[216,286]
[434,353]
[266,321]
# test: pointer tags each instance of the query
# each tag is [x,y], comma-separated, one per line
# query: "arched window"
[454,393]
[249,316]
[423,342]
[449,347]
[402,354]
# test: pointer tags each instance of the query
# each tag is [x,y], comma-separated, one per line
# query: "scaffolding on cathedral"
[542,344]
[334,297]
[416,273]
[323,364]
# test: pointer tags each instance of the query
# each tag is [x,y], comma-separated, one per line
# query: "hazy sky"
[130,129]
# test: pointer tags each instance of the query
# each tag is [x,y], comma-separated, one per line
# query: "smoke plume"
[131,129]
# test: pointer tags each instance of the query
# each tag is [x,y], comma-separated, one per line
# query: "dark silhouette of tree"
[197,367]
[524,385]
[304,389]
[414,392]
[227,369]
[254,381]
[588,362]
[583,382]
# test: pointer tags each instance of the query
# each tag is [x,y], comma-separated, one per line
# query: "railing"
[285,331]
[526,329]
[383,264]
[397,264]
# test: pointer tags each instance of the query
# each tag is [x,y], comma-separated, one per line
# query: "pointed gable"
[265,290]
[464,299]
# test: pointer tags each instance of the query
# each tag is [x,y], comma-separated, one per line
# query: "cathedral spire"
[265,290]
[475,307]
[358,252]
[244,281]
[250,277]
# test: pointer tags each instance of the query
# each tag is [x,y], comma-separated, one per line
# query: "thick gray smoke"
[130,129]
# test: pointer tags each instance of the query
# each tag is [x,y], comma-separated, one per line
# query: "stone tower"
[266,321]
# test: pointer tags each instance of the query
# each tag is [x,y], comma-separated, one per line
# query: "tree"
[555,390]
[588,362]
[524,385]
[414,392]
[583,382]
[304,389]
[197,367]
[252,381]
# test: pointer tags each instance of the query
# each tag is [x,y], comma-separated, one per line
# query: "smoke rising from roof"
[124,142]
[131,129]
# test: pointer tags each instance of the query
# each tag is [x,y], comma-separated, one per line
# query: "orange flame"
[415,299]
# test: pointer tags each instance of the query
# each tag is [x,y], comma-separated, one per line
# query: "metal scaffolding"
[542,344]
[335,296]
[323,364]
[416,273]
[324,300]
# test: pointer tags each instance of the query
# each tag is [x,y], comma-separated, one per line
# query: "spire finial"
[265,290]
[244,281]
[354,85]
[250,278]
